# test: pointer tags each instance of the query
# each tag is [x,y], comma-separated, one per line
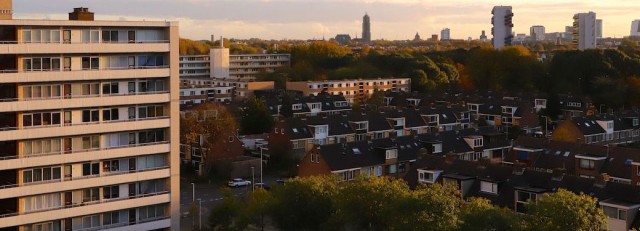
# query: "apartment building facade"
[351,89]
[502,22]
[89,127]
[584,30]
[220,64]
[200,90]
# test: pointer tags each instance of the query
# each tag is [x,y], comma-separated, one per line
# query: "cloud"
[303,19]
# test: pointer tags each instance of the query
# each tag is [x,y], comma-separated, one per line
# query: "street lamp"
[253,179]
[546,122]
[200,212]
[193,191]
[261,163]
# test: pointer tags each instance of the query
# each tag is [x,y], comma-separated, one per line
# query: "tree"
[190,47]
[256,117]
[257,207]
[420,82]
[227,215]
[434,207]
[303,204]
[565,210]
[286,108]
[371,202]
[479,214]
[376,99]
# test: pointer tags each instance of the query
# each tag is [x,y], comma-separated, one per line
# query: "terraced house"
[89,124]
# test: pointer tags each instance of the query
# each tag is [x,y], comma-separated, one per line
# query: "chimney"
[81,14]
[6,9]
[449,158]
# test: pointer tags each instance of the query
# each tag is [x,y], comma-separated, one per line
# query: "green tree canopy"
[564,210]
[256,118]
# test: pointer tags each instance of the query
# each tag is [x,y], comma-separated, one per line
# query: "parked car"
[238,182]
[280,181]
[263,186]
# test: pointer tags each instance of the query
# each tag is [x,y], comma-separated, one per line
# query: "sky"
[315,19]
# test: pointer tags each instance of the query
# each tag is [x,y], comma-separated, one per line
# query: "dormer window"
[362,125]
[437,148]
[315,106]
[507,110]
[477,142]
[391,154]
[610,125]
[296,106]
[636,122]
[489,187]
[399,122]
[587,164]
[428,176]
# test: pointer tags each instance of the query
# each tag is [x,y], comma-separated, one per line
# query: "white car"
[238,182]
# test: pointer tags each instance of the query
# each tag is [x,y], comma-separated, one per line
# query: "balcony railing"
[102,42]
[81,124]
[82,150]
[64,179]
[103,201]
[126,223]
[87,69]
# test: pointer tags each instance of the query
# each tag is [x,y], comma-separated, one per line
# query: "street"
[210,195]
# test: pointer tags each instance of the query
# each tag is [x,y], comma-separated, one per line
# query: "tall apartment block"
[537,33]
[635,28]
[89,124]
[502,26]
[445,34]
[598,28]
[351,89]
[584,30]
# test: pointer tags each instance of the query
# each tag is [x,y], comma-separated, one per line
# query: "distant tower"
[417,37]
[599,28]
[483,36]
[584,30]
[6,9]
[445,34]
[635,28]
[502,26]
[366,28]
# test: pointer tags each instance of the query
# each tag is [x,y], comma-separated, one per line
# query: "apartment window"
[40,119]
[109,114]
[90,36]
[297,107]
[477,143]
[378,135]
[111,166]
[86,222]
[348,175]
[391,154]
[110,88]
[361,137]
[109,36]
[35,147]
[315,106]
[392,169]
[42,202]
[41,64]
[89,169]
[91,194]
[298,144]
[90,142]
[111,192]
[437,148]
[489,187]
[153,85]
[149,212]
[40,174]
[151,136]
[615,213]
[41,92]
[587,164]
[90,63]
[90,115]
[90,89]
[150,111]
[361,125]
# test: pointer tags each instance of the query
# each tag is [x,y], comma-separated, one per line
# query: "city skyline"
[292,19]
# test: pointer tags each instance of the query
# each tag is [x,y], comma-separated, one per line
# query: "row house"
[514,187]
[574,106]
[599,130]
[484,143]
[322,104]
[391,157]
[619,164]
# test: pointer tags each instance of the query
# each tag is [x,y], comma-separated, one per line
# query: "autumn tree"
[228,214]
[303,204]
[433,207]
[479,214]
[286,106]
[256,117]
[190,47]
[565,210]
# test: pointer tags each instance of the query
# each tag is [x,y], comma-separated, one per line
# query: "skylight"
[444,116]
[566,153]
[356,151]
[295,130]
[558,152]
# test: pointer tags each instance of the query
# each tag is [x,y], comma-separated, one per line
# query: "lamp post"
[253,179]
[200,212]
[193,191]
[261,163]
[601,108]
[546,122]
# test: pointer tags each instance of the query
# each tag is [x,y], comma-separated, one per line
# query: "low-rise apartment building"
[351,89]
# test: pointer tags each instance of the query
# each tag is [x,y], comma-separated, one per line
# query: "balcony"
[87,128]
[69,184]
[13,219]
[14,105]
[147,224]
[13,76]
[76,156]
[83,48]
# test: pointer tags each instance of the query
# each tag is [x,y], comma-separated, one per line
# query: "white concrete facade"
[635,28]
[502,29]
[89,125]
[537,33]
[584,30]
